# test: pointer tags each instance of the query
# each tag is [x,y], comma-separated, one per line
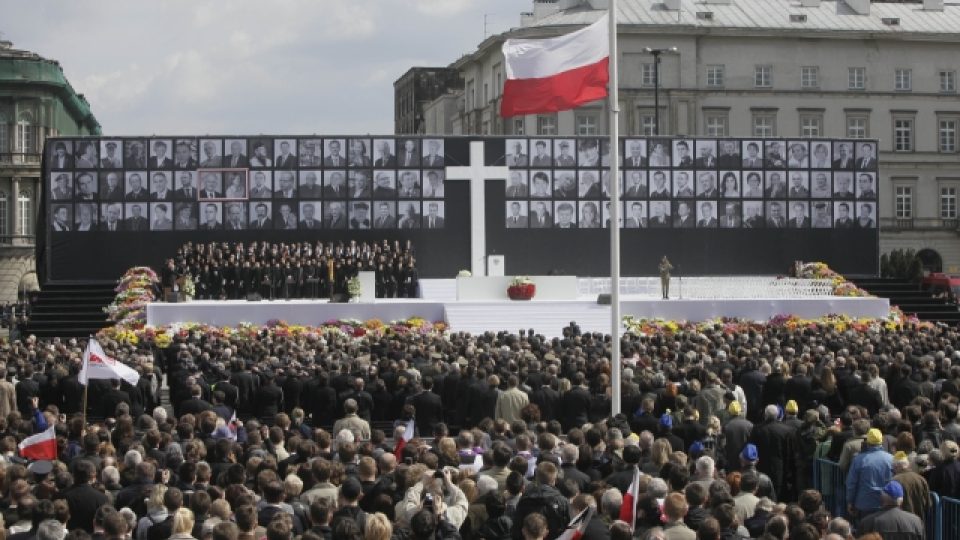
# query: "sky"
[241,66]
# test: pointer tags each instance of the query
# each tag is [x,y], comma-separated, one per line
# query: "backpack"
[551,505]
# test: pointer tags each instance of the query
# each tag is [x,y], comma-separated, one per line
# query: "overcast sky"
[243,66]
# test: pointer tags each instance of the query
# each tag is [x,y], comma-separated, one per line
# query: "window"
[648,74]
[25,210]
[647,123]
[3,213]
[811,125]
[948,202]
[486,93]
[518,126]
[498,80]
[471,96]
[763,76]
[856,78]
[948,82]
[903,134]
[903,205]
[586,124]
[764,124]
[26,142]
[715,76]
[903,80]
[857,127]
[716,124]
[947,135]
[546,125]
[809,77]
[4,135]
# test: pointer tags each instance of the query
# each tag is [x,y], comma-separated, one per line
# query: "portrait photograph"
[211,216]
[211,185]
[822,217]
[636,185]
[260,213]
[261,153]
[633,216]
[605,154]
[433,153]
[359,153]
[334,153]
[540,184]
[843,215]
[161,154]
[799,214]
[659,215]
[776,214]
[385,184]
[729,184]
[684,215]
[311,215]
[136,186]
[60,155]
[408,216]
[820,155]
[517,153]
[408,153]
[235,216]
[185,216]
[729,157]
[682,185]
[541,215]
[729,215]
[285,154]
[635,153]
[261,184]
[235,153]
[866,215]
[161,216]
[433,215]
[564,185]
[774,154]
[61,218]
[433,184]
[516,212]
[752,156]
[589,185]
[285,216]
[820,185]
[136,217]
[564,153]
[706,151]
[384,153]
[707,185]
[185,153]
[752,185]
[659,184]
[360,218]
[310,153]
[135,153]
[589,214]
[235,185]
[384,214]
[86,155]
[799,184]
[410,187]
[683,154]
[542,155]
[866,185]
[866,156]
[85,217]
[111,154]
[605,215]
[753,215]
[776,185]
[658,153]
[565,214]
[605,188]
[61,186]
[843,157]
[111,217]
[211,153]
[335,184]
[311,184]
[86,186]
[706,214]
[161,186]
[588,152]
[798,156]
[285,185]
[334,215]
[843,185]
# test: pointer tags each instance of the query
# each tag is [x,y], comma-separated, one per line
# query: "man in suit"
[161,218]
[286,159]
[660,189]
[288,188]
[774,159]
[636,188]
[159,159]
[821,186]
[384,188]
[360,216]
[707,218]
[541,218]
[517,186]
[867,161]
[260,158]
[308,155]
[309,221]
[433,156]
[112,190]
[706,159]
[776,188]
[566,186]
[865,217]
[843,220]
[334,155]
[683,187]
[683,219]
[433,187]
[185,219]
[385,218]
[86,187]
[61,158]
[136,221]
[160,191]
[589,153]
[753,189]
[637,157]
[865,186]
[798,217]
[541,185]
[752,216]
[408,185]
[798,156]
[729,156]
[287,219]
[564,158]
[211,158]
[361,185]
[260,189]
[565,216]
[433,219]
[211,221]
[111,160]
[775,218]
[186,192]
[134,155]
[541,158]
[87,157]
[210,190]
[844,161]
[681,155]
[797,188]
[731,216]
[516,220]
[386,158]
[409,156]
[62,190]
[335,187]
[660,218]
[236,158]
[111,218]
[842,183]
[183,158]
[262,220]
[752,160]
[821,216]
[87,220]
[410,217]
[61,219]
[589,187]
[310,189]
[707,186]
[637,218]
[335,217]
[234,220]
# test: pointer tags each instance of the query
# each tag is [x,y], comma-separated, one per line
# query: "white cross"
[477,173]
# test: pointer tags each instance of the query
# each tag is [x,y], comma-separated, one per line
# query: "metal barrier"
[949,522]
[934,519]
[829,481]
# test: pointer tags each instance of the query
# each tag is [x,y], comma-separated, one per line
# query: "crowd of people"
[234,270]
[280,436]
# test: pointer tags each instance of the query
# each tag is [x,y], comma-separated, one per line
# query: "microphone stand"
[680,286]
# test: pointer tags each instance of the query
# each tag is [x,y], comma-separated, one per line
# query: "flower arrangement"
[354,287]
[521,288]
[819,270]
[188,288]
[464,273]
[134,291]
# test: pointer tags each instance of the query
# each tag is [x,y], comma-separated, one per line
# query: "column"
[14,208]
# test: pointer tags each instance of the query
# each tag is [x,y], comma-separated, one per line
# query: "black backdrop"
[104,256]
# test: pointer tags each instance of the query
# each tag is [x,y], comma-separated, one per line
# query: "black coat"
[26,389]
[110,400]
[575,408]
[83,501]
[799,388]
[269,401]
[246,385]
[777,448]
[429,411]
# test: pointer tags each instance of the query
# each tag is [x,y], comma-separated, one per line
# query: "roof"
[774,15]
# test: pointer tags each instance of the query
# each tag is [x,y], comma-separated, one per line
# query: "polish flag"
[40,446]
[628,510]
[578,525]
[408,431]
[556,74]
[97,365]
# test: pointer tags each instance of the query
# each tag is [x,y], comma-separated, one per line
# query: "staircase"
[70,310]
[912,299]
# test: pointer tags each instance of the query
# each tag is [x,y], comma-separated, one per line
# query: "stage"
[547,317]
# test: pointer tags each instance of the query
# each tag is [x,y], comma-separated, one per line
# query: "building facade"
[36,102]
[416,88]
[769,68]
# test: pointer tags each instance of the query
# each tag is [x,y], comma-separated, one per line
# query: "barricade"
[934,518]
[829,481]
[949,510]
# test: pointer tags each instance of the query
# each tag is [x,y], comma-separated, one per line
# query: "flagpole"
[86,385]
[613,97]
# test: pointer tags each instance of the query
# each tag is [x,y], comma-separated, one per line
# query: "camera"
[428,501]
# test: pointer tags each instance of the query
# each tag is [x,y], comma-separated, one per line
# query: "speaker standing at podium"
[665,268]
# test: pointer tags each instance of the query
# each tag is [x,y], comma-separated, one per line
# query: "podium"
[496,265]
[368,286]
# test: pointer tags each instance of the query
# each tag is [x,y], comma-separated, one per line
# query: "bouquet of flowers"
[189,288]
[354,287]
[134,291]
[521,288]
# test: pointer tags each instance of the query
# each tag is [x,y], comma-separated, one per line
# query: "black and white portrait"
[706,154]
[285,154]
[260,213]
[285,186]
[161,154]
[185,154]
[384,184]
[335,184]
[517,154]
[433,215]
[822,217]
[799,214]
[635,153]
[589,185]
[433,153]
[334,153]
[659,215]
[866,215]
[605,154]
[684,215]
[408,153]
[820,185]
[85,219]
[776,185]
[729,157]
[542,155]
[774,154]
[360,218]
[799,184]
[866,185]
[185,216]
[752,185]
[820,155]
[261,184]
[211,216]
[706,214]
[86,156]
[408,215]
[659,184]
[565,214]
[636,185]
[516,212]
[564,185]
[211,185]
[541,216]
[410,186]
[843,185]
[707,185]
[61,219]
[563,153]
[588,152]
[310,153]
[730,184]
[61,186]
[843,215]
[683,154]
[589,214]
[658,152]
[334,215]
[211,153]
[235,153]
[634,215]
[136,186]
[285,215]
[798,155]
[111,154]
[111,217]
[729,217]
[311,184]
[752,156]
[359,153]
[753,215]
[605,219]
[161,216]
[311,215]
[682,185]
[111,186]
[843,157]
[866,156]
[86,185]
[60,155]
[433,185]
[360,184]
[261,153]
[235,185]
[135,153]
[235,216]
[384,153]
[137,217]
[605,188]
[384,215]
[161,187]
[776,214]
[540,184]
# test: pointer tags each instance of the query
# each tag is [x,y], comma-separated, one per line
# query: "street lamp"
[656,83]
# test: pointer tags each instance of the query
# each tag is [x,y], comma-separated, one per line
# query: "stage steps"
[912,299]
[70,310]
[549,319]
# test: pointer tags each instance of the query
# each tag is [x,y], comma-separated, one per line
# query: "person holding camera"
[436,493]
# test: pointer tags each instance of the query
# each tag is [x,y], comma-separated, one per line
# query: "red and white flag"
[556,74]
[577,525]
[40,446]
[408,431]
[628,510]
[97,365]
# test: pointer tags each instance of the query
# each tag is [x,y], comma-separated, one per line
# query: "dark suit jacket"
[136,224]
[429,411]
[633,162]
[340,223]
[104,226]
[290,162]
[706,163]
[437,222]
[683,223]
[255,224]
[211,194]
[115,194]
[164,163]
[307,192]
[382,192]
[729,161]
[229,161]
[181,195]
[328,191]
[844,166]
[537,223]
[518,222]
[412,160]
[712,222]
[433,161]
[341,162]
[314,224]
[142,195]
[802,225]
[67,162]
[685,162]
[190,164]
[83,500]
[388,161]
